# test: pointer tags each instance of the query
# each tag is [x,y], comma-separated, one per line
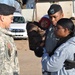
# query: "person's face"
[55,17]
[6,21]
[44,23]
[61,32]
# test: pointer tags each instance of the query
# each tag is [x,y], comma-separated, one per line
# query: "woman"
[56,62]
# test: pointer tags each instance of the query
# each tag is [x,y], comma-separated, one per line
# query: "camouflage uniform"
[8,54]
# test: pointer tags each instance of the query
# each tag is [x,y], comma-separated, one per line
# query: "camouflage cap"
[54,8]
[6,9]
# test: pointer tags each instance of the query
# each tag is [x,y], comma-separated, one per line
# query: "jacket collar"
[6,31]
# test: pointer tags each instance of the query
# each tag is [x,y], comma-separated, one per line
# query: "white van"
[18,27]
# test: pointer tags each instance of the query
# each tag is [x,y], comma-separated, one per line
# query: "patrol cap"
[54,8]
[6,9]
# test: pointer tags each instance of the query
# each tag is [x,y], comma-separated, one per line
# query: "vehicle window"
[18,20]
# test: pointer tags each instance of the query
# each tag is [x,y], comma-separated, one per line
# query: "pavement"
[29,63]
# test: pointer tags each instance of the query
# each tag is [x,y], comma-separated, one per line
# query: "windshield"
[18,20]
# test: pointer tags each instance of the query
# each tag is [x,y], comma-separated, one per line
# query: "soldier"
[8,52]
[55,13]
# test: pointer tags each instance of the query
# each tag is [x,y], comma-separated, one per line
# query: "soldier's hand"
[69,64]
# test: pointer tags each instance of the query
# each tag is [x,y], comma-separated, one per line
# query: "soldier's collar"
[5,31]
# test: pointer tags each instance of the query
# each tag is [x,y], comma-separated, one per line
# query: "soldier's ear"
[1,18]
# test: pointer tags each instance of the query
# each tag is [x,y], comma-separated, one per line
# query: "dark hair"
[31,24]
[67,23]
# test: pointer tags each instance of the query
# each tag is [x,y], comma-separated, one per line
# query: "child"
[35,35]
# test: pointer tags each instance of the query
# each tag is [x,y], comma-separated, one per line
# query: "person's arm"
[55,62]
[69,64]
[2,57]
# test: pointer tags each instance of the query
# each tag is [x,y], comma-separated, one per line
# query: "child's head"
[44,22]
[31,26]
[64,28]
[34,26]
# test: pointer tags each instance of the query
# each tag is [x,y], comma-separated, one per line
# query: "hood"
[72,40]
